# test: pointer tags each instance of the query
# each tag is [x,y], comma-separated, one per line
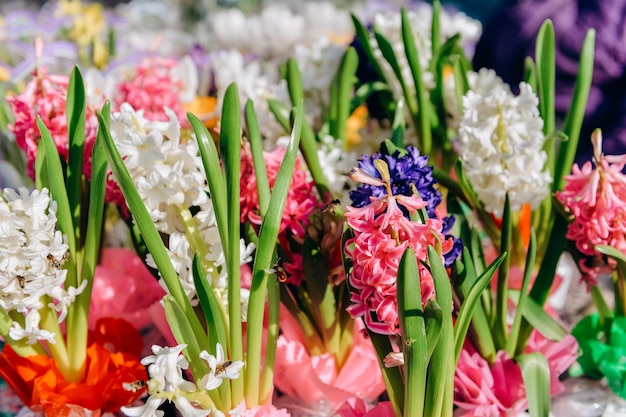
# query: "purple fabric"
[509,36]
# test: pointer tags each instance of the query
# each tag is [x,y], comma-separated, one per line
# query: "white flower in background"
[318,64]
[420,17]
[220,368]
[254,83]
[32,251]
[322,19]
[336,164]
[32,331]
[230,28]
[500,144]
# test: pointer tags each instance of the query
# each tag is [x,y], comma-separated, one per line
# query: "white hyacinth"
[32,253]
[170,179]
[166,368]
[500,144]
[31,249]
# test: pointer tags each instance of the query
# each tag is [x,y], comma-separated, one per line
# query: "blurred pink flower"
[317,378]
[258,411]
[154,85]
[358,407]
[481,391]
[596,196]
[124,288]
[45,96]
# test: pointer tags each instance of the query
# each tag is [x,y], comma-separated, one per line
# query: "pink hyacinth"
[381,235]
[481,390]
[45,96]
[596,196]
[153,87]
[300,204]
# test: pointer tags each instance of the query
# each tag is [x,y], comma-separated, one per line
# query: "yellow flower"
[204,109]
[356,121]
[88,20]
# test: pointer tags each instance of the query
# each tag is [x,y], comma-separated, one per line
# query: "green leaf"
[230,147]
[308,147]
[213,311]
[433,317]
[440,382]
[469,304]
[544,54]
[435,32]
[58,192]
[398,127]
[481,327]
[256,147]
[344,82]
[364,39]
[521,304]
[541,321]
[422,121]
[536,374]
[183,332]
[214,176]
[530,73]
[95,217]
[294,81]
[500,327]
[413,330]
[265,250]
[576,111]
[75,108]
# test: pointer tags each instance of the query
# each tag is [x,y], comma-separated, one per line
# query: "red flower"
[37,380]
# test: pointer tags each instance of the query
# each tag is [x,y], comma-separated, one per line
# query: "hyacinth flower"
[389,259]
[51,245]
[594,199]
[202,266]
[45,97]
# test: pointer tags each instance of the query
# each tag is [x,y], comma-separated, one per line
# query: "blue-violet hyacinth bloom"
[409,171]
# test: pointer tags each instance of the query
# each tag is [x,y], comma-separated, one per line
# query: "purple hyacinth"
[409,171]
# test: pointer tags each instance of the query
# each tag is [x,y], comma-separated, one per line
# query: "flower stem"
[72,371]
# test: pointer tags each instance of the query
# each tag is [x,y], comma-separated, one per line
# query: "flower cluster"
[410,174]
[595,194]
[32,253]
[45,96]
[381,235]
[169,176]
[166,382]
[501,144]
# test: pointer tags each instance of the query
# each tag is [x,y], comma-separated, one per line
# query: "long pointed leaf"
[75,109]
[536,374]
[268,235]
[214,176]
[413,329]
[469,304]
